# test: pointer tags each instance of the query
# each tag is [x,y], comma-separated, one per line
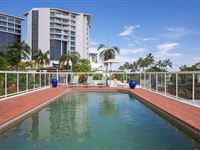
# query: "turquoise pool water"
[96,120]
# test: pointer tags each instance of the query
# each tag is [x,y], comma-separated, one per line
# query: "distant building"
[95,60]
[10,30]
[59,31]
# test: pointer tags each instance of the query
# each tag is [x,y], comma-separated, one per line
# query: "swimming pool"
[96,120]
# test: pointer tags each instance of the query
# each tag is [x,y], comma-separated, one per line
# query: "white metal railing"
[180,85]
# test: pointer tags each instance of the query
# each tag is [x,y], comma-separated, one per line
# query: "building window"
[18,26]
[58,25]
[73,43]
[58,13]
[52,19]
[51,35]
[73,16]
[66,31]
[10,30]
[66,37]
[2,28]
[18,21]
[18,31]
[58,20]
[11,19]
[65,21]
[2,18]
[57,36]
[72,33]
[72,38]
[58,31]
[52,13]
[73,27]
[73,48]
[3,23]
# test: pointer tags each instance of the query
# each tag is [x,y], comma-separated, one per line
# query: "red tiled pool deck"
[16,106]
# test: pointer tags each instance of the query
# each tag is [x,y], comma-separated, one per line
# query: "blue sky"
[169,29]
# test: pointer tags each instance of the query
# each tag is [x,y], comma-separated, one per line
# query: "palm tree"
[16,51]
[107,53]
[42,58]
[69,56]
[149,59]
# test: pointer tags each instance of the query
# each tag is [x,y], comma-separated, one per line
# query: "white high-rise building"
[58,31]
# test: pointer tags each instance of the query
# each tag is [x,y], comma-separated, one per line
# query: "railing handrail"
[60,72]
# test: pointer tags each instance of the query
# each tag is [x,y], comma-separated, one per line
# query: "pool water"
[96,120]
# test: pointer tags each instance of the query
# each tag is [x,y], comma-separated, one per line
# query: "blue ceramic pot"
[132,84]
[54,82]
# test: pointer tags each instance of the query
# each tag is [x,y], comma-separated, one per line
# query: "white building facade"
[95,61]
[58,31]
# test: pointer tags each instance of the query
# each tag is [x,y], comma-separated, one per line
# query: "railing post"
[176,85]
[17,82]
[49,79]
[57,76]
[40,80]
[6,89]
[144,80]
[126,78]
[150,81]
[34,81]
[26,81]
[193,87]
[66,77]
[140,79]
[45,80]
[156,82]
[165,84]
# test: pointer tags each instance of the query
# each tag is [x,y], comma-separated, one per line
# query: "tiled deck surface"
[15,106]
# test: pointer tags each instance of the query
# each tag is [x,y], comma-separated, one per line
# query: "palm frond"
[101,46]
[115,48]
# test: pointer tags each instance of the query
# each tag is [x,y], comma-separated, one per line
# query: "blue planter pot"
[132,84]
[54,82]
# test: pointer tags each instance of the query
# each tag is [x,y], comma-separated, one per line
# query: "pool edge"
[177,122]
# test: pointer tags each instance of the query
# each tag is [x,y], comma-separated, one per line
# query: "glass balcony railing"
[180,85]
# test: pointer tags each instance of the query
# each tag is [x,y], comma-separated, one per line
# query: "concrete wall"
[44,29]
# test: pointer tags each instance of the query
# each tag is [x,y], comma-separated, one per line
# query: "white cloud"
[92,42]
[128,30]
[196,59]
[166,47]
[129,52]
[148,39]
[178,32]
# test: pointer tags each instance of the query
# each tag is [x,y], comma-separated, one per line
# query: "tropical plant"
[16,51]
[42,58]
[161,66]
[107,53]
[3,63]
[83,65]
[192,68]
[69,56]
[146,62]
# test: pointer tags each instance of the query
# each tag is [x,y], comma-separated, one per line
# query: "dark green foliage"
[16,51]
[147,64]
[83,65]
[3,63]
[72,57]
[42,58]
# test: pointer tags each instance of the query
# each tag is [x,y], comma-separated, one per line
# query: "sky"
[167,29]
